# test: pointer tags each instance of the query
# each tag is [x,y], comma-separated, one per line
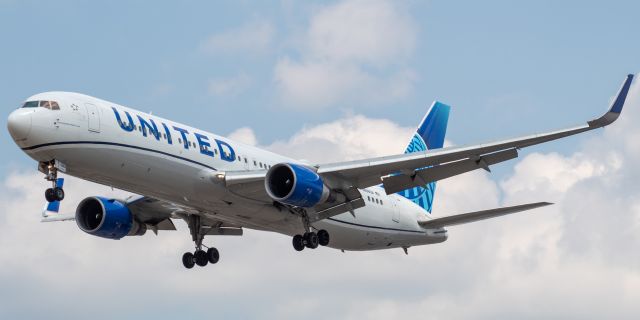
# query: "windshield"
[51,105]
[30,104]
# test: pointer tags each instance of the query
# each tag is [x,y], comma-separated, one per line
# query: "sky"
[332,81]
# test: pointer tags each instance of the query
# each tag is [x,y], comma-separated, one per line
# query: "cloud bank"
[352,52]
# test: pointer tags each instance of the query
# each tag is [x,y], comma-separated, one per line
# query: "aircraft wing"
[404,171]
[156,214]
[478,215]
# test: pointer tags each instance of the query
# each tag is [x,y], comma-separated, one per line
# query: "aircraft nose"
[19,124]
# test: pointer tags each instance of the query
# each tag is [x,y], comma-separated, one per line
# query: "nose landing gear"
[199,256]
[55,193]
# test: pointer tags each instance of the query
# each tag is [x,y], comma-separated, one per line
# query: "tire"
[311,240]
[213,255]
[50,195]
[59,193]
[201,258]
[323,237]
[187,260]
[298,242]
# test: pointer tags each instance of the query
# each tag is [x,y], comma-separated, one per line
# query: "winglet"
[616,107]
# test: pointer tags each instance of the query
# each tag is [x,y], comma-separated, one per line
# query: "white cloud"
[244,135]
[372,32]
[350,138]
[353,52]
[230,86]
[251,38]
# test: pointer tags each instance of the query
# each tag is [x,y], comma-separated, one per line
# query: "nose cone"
[19,124]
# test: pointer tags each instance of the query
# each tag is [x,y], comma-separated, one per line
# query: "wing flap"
[398,182]
[479,215]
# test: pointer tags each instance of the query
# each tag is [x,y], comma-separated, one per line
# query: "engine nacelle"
[107,218]
[296,185]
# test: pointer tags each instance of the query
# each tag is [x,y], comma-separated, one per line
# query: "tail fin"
[429,136]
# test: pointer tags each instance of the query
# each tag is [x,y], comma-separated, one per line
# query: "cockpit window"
[30,104]
[51,105]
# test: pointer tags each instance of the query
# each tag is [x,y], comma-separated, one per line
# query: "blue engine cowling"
[295,185]
[107,218]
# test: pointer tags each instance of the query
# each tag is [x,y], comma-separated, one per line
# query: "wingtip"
[616,107]
[618,103]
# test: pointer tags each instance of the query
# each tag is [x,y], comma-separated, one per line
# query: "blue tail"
[429,136]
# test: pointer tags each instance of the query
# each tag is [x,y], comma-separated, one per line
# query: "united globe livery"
[219,186]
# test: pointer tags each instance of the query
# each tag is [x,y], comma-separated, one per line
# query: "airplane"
[220,187]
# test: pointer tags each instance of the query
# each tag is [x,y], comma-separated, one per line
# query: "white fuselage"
[175,165]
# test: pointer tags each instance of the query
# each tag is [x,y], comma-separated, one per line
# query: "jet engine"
[107,218]
[296,185]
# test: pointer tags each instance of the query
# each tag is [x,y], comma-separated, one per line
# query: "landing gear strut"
[55,193]
[309,239]
[199,256]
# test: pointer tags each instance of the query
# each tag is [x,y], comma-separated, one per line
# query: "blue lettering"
[166,131]
[204,145]
[184,133]
[152,128]
[128,127]
[231,156]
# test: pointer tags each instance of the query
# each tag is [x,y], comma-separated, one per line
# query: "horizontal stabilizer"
[59,217]
[479,215]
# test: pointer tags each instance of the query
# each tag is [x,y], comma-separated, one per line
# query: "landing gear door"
[94,117]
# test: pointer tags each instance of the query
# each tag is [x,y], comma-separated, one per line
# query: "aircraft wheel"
[50,195]
[298,242]
[213,255]
[323,237]
[188,260]
[59,193]
[201,258]
[311,239]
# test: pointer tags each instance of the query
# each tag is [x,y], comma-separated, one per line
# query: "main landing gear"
[199,256]
[55,193]
[310,239]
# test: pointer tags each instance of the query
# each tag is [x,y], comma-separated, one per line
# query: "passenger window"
[180,140]
[30,104]
[245,160]
[255,163]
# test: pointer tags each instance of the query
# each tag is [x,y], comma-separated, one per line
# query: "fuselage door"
[94,117]
[396,210]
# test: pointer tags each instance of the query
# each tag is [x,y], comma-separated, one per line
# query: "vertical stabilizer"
[430,135]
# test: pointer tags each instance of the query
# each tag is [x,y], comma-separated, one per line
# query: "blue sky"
[508,68]
[332,80]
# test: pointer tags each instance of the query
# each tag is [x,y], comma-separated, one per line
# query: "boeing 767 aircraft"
[219,186]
